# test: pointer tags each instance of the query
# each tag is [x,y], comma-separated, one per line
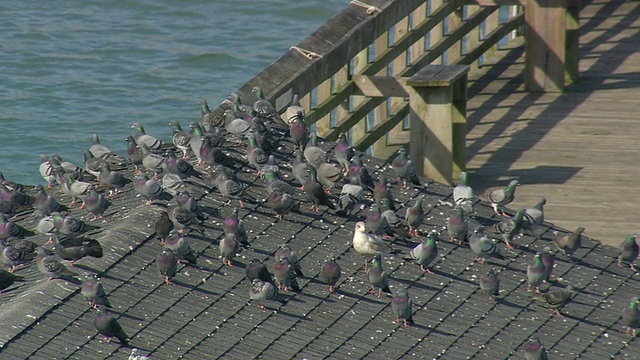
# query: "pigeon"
[490,284]
[14,257]
[229,188]
[46,171]
[151,161]
[275,184]
[9,228]
[178,166]
[264,108]
[93,292]
[179,247]
[314,155]
[401,307]
[149,189]
[357,173]
[44,202]
[187,201]
[95,203]
[483,247]
[255,155]
[548,260]
[180,138]
[109,327]
[314,190]
[377,277]
[229,247]
[271,166]
[425,253]
[239,109]
[67,166]
[281,203]
[93,164]
[463,194]
[300,169]
[350,198]
[343,151]
[52,266]
[45,224]
[167,264]
[381,190]
[113,180]
[457,226]
[328,175]
[76,189]
[395,224]
[183,219]
[262,290]
[285,251]
[413,216]
[163,226]
[100,150]
[330,273]
[285,275]
[629,251]
[7,279]
[74,249]
[405,169]
[236,126]
[569,243]
[257,270]
[499,198]
[142,138]
[369,244]
[377,224]
[195,143]
[508,228]
[534,216]
[556,299]
[294,110]
[233,225]
[536,273]
[135,355]
[216,117]
[134,153]
[533,350]
[631,317]
[68,225]
[298,131]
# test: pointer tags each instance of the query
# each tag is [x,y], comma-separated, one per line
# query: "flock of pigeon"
[336,180]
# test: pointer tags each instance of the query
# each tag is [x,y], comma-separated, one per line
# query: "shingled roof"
[206,313]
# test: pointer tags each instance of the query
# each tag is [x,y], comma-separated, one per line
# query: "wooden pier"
[577,149]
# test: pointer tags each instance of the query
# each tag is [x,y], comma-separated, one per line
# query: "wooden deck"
[576,149]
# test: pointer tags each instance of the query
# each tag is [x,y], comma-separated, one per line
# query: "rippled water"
[71,68]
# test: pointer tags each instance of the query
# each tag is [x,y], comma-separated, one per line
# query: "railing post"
[572,57]
[437,101]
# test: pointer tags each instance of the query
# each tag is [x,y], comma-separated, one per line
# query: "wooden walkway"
[579,149]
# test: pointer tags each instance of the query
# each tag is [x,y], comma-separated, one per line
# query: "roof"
[206,313]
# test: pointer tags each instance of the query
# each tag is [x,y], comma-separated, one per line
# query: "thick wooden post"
[572,57]
[545,45]
[437,101]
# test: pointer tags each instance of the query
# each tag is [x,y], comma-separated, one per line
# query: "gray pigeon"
[215,117]
[556,299]
[457,226]
[264,108]
[300,169]
[548,260]
[93,164]
[329,175]
[233,225]
[569,243]
[7,279]
[95,203]
[275,184]
[149,189]
[378,278]
[45,224]
[483,247]
[196,141]
[151,161]
[395,224]
[318,196]
[314,155]
[281,203]
[134,153]
[109,327]
[173,184]
[536,273]
[45,203]
[499,198]
[179,247]
[76,189]
[14,257]
[74,249]
[490,284]
[167,264]
[68,225]
[343,151]
[298,131]
[262,290]
[401,307]
[256,156]
[414,215]
[46,171]
[163,226]
[381,190]
[285,275]
[463,194]
[405,169]
[631,317]
[141,137]
[350,198]
[533,350]
[180,138]
[52,266]
[92,292]
[425,253]
[100,150]
[179,166]
[229,188]
[235,126]
[114,180]
[510,227]
[294,109]
[331,272]
[183,219]
[376,223]
[629,251]
[229,247]
[534,216]
[285,251]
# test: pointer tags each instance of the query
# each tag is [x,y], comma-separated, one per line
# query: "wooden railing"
[394,38]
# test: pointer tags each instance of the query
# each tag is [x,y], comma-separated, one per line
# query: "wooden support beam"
[437,102]
[380,86]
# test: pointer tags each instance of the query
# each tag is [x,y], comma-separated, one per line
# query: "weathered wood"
[381,129]
[492,24]
[437,32]
[454,52]
[545,45]
[379,86]
[473,40]
[437,98]
[380,113]
[572,54]
[359,128]
[324,92]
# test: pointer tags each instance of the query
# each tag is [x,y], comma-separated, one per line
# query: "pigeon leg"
[557,312]
[331,289]
[425,269]
[168,280]
[379,293]
[405,324]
